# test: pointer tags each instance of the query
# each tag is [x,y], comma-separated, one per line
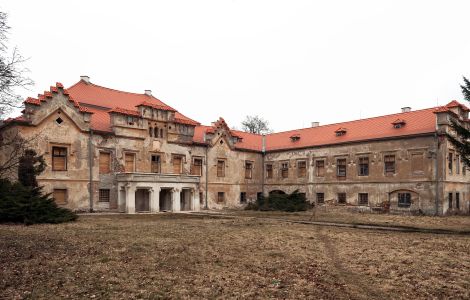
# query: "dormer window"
[130,121]
[399,123]
[295,137]
[340,131]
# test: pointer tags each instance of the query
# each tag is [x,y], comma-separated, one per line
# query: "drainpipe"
[436,173]
[263,154]
[207,171]
[90,166]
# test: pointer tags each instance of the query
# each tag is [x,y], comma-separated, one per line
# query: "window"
[259,195]
[457,165]
[320,168]
[342,198]
[269,171]
[131,120]
[155,132]
[155,164]
[129,162]
[59,159]
[104,195]
[177,164]
[151,131]
[248,170]
[450,163]
[464,169]
[284,169]
[220,197]
[363,166]
[161,132]
[243,197]
[196,168]
[404,199]
[363,199]
[60,196]
[341,167]
[221,168]
[450,200]
[105,162]
[201,198]
[389,163]
[301,169]
[320,198]
[417,163]
[457,200]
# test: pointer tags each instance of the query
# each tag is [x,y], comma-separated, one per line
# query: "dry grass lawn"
[181,256]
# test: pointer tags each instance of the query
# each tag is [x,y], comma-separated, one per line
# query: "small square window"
[104,195]
[320,198]
[342,198]
[220,197]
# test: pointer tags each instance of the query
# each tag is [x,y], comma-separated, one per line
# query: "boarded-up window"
[220,197]
[248,169]
[177,164]
[196,168]
[104,195]
[60,196]
[301,169]
[129,162]
[284,170]
[221,168]
[417,163]
[341,168]
[105,162]
[155,164]
[363,166]
[59,158]
[269,171]
[320,168]
[389,164]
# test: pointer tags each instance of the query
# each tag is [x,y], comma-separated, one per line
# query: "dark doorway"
[142,200]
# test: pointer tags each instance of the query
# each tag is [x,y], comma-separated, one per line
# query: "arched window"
[156,131]
[161,132]
[150,131]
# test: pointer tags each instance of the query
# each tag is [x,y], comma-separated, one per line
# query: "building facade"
[109,150]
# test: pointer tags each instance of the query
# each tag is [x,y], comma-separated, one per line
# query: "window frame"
[404,200]
[193,165]
[220,167]
[269,171]
[157,162]
[248,169]
[363,167]
[133,154]
[65,156]
[389,164]
[66,196]
[109,162]
[363,199]
[243,199]
[102,195]
[220,195]
[320,196]
[284,170]
[304,173]
[341,167]
[340,199]
[318,167]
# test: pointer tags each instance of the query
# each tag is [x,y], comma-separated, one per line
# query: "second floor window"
[59,158]
[105,162]
[196,168]
[129,162]
[320,168]
[284,170]
[221,168]
[269,171]
[248,170]
[155,164]
[389,164]
[363,166]
[451,163]
[177,164]
[341,167]
[301,169]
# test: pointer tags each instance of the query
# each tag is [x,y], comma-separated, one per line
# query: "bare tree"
[12,72]
[256,124]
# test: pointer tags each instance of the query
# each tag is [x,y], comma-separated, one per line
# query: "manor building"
[110,150]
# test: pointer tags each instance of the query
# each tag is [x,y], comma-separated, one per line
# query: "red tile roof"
[124,111]
[455,103]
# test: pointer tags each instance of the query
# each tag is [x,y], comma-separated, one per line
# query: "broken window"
[342,198]
[177,164]
[341,168]
[417,163]
[269,171]
[59,158]
[320,198]
[220,197]
[285,170]
[302,169]
[104,195]
[320,168]
[363,199]
[60,196]
[451,163]
[363,166]
[105,162]
[196,168]
[404,199]
[155,164]
[248,170]
[221,168]
[129,162]
[389,163]
[243,197]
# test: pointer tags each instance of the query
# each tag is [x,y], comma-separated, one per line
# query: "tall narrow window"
[59,159]
[302,169]
[417,163]
[105,162]
[129,162]
[457,164]
[363,199]
[177,164]
[155,132]
[248,170]
[285,170]
[243,197]
[60,196]
[220,197]
[221,168]
[457,200]
[363,166]
[404,199]
[150,131]
[196,168]
[155,164]
[451,163]
[269,171]
[450,200]
[389,163]
[341,168]
[320,168]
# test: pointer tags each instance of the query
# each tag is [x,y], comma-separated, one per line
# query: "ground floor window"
[60,196]
[201,198]
[220,197]
[342,198]
[363,199]
[404,199]
[243,197]
[450,200]
[259,195]
[320,198]
[104,195]
[457,200]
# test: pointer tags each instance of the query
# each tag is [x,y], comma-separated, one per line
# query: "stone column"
[130,199]
[176,200]
[195,201]
[121,198]
[155,200]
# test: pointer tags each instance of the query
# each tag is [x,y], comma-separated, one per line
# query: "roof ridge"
[353,121]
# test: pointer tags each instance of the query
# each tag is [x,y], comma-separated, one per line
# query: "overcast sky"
[291,62]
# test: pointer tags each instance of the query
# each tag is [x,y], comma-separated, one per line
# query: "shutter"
[105,161]
[60,196]
[417,163]
[177,165]
[129,162]
[58,163]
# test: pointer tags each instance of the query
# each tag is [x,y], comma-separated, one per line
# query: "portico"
[150,192]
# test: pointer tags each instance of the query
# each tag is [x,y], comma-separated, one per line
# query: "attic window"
[295,137]
[59,120]
[399,123]
[340,131]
